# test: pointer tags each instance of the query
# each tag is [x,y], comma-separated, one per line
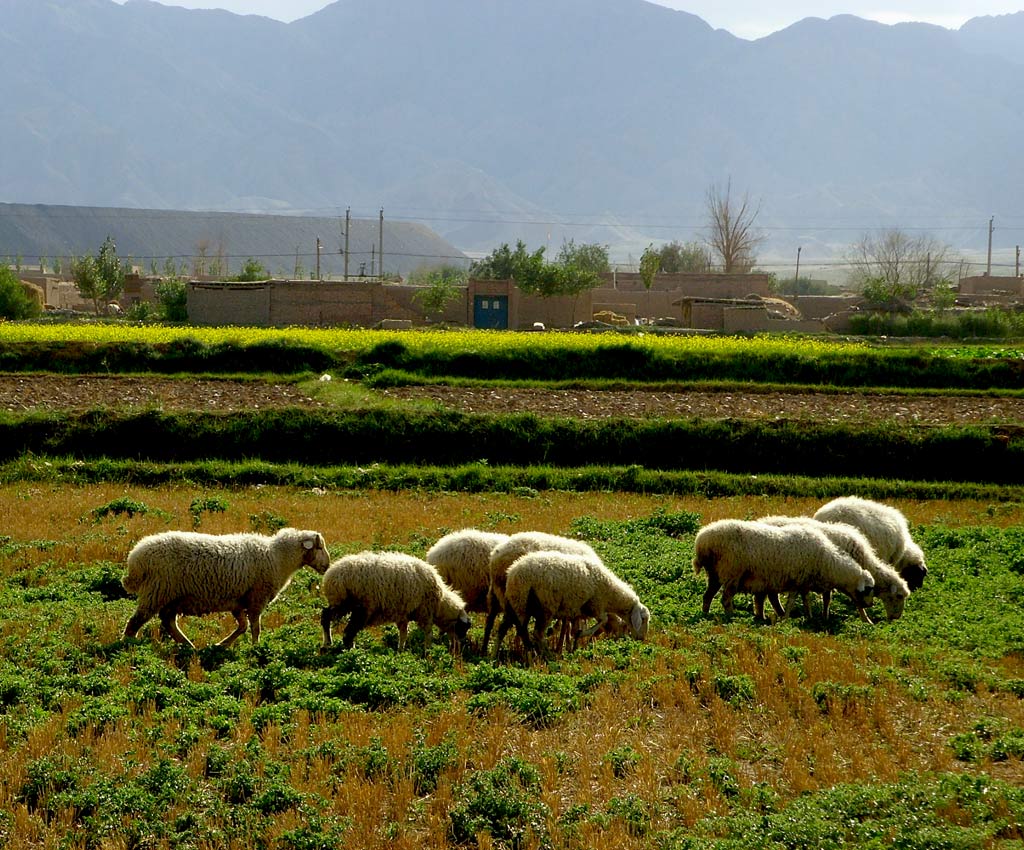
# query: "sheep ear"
[307,544]
[637,617]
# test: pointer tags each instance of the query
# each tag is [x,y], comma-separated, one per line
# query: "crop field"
[715,733]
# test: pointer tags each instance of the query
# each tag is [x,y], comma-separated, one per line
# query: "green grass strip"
[482,478]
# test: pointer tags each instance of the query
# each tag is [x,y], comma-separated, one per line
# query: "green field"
[715,733]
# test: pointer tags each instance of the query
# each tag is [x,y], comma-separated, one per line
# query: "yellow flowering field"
[420,341]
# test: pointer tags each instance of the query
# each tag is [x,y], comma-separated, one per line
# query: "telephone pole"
[380,242]
[796,277]
[318,259]
[348,227]
[988,267]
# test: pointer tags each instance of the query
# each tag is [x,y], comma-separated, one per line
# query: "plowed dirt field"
[60,392]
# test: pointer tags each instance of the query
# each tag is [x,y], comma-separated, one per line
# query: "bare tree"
[890,265]
[732,235]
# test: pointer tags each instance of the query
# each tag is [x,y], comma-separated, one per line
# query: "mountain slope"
[479,114]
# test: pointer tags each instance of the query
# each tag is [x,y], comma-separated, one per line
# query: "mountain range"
[597,120]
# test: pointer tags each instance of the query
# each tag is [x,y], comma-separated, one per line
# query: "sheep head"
[864,594]
[639,621]
[894,597]
[314,551]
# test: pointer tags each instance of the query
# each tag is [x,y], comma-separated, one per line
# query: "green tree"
[252,270]
[172,295]
[589,257]
[504,263]
[15,302]
[650,262]
[100,278]
[441,285]
[692,257]
[573,274]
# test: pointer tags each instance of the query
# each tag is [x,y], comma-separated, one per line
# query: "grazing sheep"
[887,531]
[184,572]
[390,587]
[765,560]
[890,588]
[549,584]
[463,560]
[507,553]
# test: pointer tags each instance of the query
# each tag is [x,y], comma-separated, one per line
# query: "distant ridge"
[34,231]
[490,120]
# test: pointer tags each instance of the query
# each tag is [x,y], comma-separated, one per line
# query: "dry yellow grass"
[678,726]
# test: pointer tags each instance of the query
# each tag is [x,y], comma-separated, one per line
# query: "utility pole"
[1016,270]
[988,267]
[348,227]
[380,242]
[373,261]
[796,277]
[318,259]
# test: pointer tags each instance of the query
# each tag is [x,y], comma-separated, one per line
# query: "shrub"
[504,802]
[15,302]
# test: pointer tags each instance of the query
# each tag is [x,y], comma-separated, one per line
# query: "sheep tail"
[134,578]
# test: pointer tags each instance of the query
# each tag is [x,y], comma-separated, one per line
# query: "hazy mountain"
[491,120]
[279,242]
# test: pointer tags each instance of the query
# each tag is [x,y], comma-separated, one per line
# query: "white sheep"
[184,572]
[508,552]
[463,560]
[745,556]
[549,584]
[886,529]
[890,587]
[390,587]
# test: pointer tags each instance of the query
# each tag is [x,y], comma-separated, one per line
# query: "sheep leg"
[864,616]
[503,628]
[137,621]
[777,605]
[727,594]
[492,612]
[599,624]
[826,600]
[403,634]
[356,622]
[759,606]
[326,616]
[540,626]
[242,624]
[427,627]
[169,620]
[512,619]
[713,585]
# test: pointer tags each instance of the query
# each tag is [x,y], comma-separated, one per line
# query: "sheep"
[765,560]
[390,587]
[463,559]
[505,554]
[887,531]
[890,587]
[553,584]
[184,572]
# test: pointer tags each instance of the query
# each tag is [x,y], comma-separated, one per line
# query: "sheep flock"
[857,547]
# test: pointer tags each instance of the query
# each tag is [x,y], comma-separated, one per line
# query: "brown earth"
[821,407]
[62,392]
[72,392]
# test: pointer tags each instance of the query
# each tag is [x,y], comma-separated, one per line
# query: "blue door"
[490,311]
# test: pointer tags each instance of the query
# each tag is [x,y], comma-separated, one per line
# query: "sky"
[744,18]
